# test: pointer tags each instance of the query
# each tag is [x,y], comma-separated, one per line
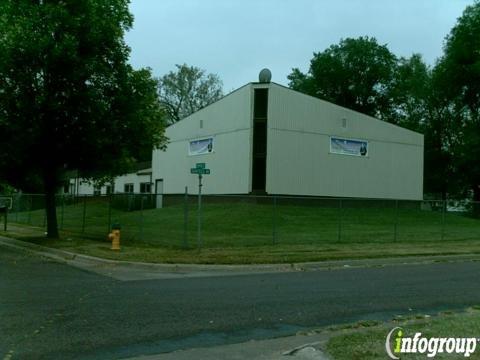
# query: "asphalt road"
[52,311]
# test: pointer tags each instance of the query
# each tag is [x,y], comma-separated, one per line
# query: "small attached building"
[139,181]
[265,138]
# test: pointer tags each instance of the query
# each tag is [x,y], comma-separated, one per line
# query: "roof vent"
[265,76]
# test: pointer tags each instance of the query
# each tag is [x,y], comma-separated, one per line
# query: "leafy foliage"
[460,79]
[68,98]
[356,74]
[418,103]
[409,92]
[187,90]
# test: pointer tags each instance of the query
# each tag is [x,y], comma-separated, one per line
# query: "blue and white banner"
[201,146]
[348,146]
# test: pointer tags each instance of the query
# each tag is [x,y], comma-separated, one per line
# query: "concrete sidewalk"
[300,347]
[130,271]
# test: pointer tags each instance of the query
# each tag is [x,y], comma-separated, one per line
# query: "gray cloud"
[236,38]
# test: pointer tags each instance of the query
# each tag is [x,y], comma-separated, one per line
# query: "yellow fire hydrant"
[114,237]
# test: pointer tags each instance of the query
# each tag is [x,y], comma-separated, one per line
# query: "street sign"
[200,169]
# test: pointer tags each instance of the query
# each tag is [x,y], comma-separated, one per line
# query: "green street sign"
[200,169]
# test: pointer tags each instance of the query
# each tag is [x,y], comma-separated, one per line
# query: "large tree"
[461,82]
[356,73]
[409,93]
[442,141]
[187,90]
[68,98]
[418,102]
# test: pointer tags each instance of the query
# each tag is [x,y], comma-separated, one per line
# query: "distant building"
[139,181]
[268,139]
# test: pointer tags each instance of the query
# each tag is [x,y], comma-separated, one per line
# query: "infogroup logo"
[417,344]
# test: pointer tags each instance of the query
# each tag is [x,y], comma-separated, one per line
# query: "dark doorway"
[259,163]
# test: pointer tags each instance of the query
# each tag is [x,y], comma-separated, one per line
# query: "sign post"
[199,169]
[5,204]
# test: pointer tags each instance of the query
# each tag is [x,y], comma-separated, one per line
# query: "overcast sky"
[237,38]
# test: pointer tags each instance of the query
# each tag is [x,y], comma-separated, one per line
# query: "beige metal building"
[139,181]
[266,138]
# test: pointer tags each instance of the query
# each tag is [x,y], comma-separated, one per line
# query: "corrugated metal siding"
[299,160]
[229,122]
[291,110]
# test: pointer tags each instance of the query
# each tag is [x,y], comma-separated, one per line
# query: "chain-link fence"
[249,220]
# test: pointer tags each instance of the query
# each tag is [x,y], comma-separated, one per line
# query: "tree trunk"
[51,209]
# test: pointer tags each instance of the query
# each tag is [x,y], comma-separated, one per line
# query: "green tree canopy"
[68,98]
[186,90]
[459,79]
[356,73]
[461,59]
[409,93]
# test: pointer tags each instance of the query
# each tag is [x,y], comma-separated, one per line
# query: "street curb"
[66,256]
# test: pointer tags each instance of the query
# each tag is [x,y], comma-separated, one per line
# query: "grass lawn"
[243,231]
[370,343]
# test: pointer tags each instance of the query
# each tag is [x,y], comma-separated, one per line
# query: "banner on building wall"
[201,146]
[348,146]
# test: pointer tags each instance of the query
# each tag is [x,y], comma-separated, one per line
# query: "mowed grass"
[370,343]
[246,231]
[247,223]
[271,254]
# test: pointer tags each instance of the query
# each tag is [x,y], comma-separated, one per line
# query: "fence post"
[29,219]
[84,212]
[63,211]
[274,230]
[274,220]
[185,218]
[444,208]
[340,212]
[141,216]
[396,222]
[109,218]
[5,219]
[17,207]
